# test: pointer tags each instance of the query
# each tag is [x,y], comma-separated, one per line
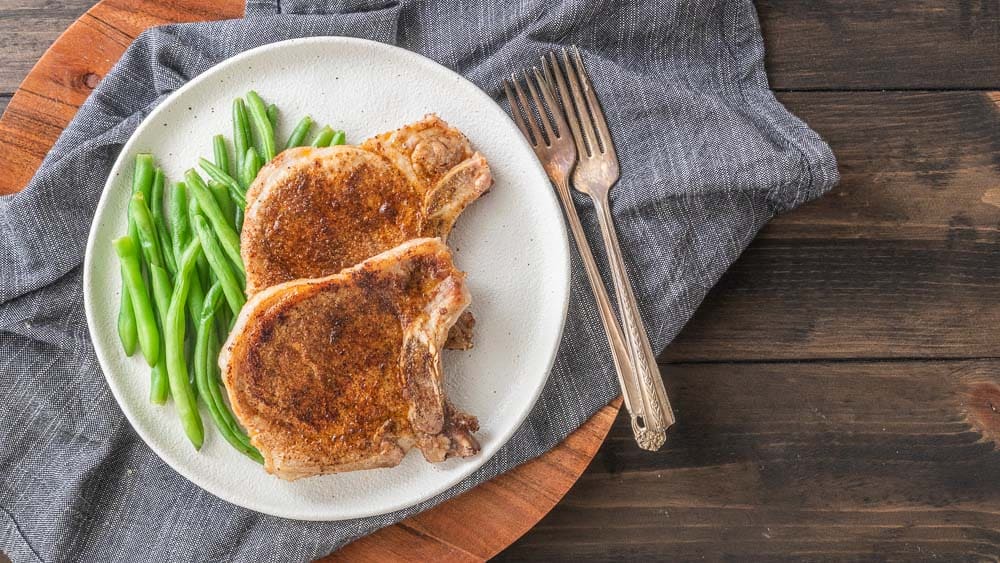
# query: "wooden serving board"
[474,526]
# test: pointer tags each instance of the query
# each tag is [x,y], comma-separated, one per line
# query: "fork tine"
[600,123]
[538,140]
[549,133]
[555,77]
[515,110]
[586,124]
[558,123]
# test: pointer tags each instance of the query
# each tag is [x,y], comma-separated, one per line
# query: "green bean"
[140,214]
[160,280]
[151,252]
[221,153]
[180,222]
[204,270]
[148,335]
[177,372]
[159,221]
[272,116]
[227,236]
[197,293]
[221,195]
[207,313]
[241,132]
[142,178]
[236,191]
[231,286]
[324,137]
[339,138]
[214,377]
[251,166]
[159,384]
[261,125]
[142,181]
[126,321]
[206,347]
[298,135]
[239,220]
[159,388]
[180,226]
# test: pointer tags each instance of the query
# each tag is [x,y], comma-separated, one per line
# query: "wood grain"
[886,44]
[28,27]
[857,460]
[898,262]
[474,526]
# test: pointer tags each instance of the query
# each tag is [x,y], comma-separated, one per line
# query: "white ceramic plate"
[512,243]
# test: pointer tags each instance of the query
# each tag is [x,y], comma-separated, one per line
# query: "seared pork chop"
[343,372]
[314,211]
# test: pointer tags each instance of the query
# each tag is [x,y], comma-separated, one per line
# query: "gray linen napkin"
[707,156]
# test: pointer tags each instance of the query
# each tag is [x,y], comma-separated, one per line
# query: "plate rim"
[105,362]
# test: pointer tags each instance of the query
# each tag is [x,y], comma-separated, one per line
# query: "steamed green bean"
[324,137]
[242,139]
[298,136]
[251,166]
[142,178]
[220,152]
[261,125]
[206,349]
[272,116]
[231,286]
[228,238]
[156,208]
[236,191]
[177,371]
[221,195]
[146,329]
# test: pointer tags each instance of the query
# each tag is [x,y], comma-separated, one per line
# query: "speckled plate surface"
[512,243]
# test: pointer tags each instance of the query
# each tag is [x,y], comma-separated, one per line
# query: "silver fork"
[557,153]
[595,174]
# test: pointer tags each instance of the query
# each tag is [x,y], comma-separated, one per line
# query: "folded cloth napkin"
[708,156]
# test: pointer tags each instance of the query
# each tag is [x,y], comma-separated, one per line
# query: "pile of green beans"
[181,261]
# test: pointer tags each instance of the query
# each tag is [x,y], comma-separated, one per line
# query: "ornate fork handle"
[628,379]
[658,414]
[558,152]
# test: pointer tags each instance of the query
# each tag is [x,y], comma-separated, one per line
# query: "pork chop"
[314,211]
[343,372]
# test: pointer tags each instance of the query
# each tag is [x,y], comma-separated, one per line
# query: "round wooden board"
[474,526]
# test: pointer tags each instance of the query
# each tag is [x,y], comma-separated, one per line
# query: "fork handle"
[656,405]
[627,377]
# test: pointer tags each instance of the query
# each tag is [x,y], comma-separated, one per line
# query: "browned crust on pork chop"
[314,211]
[344,372]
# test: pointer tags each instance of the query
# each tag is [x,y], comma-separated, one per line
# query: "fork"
[558,154]
[595,174]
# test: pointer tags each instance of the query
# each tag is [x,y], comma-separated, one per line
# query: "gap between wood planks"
[879,90]
[852,360]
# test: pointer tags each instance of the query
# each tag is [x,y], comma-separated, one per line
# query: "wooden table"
[837,394]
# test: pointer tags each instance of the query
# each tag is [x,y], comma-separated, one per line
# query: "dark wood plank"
[860,44]
[820,460]
[899,261]
[4,100]
[28,28]
[811,45]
